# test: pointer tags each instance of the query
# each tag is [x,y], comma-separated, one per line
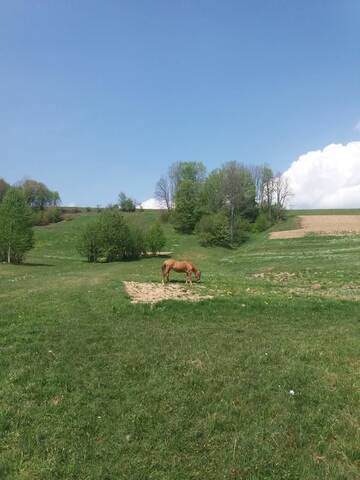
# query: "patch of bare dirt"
[322,224]
[277,277]
[156,292]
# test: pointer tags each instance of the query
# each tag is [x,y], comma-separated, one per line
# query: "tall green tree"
[230,190]
[167,186]
[239,191]
[16,234]
[37,195]
[187,204]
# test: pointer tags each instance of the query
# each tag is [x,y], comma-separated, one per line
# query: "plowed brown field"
[322,224]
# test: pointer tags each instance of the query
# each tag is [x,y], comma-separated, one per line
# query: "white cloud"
[152,204]
[328,178]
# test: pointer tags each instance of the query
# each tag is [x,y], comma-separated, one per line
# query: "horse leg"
[189,277]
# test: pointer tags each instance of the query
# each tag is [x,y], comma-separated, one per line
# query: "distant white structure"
[152,204]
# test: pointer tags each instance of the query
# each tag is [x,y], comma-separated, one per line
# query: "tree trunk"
[9,254]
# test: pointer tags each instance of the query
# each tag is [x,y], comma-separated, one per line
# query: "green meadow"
[260,382]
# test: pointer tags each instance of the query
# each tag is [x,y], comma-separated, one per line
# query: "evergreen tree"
[16,235]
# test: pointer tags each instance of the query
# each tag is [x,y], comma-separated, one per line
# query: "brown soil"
[322,224]
[156,292]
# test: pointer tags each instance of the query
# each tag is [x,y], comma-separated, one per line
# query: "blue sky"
[102,96]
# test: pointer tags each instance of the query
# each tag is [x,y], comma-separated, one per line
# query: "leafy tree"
[167,186]
[37,194]
[126,204]
[4,186]
[212,193]
[155,238]
[187,206]
[239,191]
[192,171]
[16,235]
[230,190]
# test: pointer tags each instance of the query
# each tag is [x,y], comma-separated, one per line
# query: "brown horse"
[187,267]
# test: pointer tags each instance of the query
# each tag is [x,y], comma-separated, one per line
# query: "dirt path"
[322,224]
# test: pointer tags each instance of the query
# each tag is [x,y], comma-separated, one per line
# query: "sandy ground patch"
[156,292]
[322,224]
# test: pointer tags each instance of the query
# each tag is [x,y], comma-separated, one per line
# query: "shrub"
[242,229]
[155,238]
[110,238]
[89,242]
[52,215]
[213,230]
[137,244]
[47,216]
[262,223]
[165,216]
[16,235]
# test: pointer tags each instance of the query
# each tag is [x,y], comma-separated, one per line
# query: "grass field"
[262,382]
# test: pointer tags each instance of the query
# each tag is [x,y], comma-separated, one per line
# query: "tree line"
[223,206]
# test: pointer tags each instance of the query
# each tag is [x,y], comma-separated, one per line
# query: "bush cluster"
[47,216]
[110,237]
[214,230]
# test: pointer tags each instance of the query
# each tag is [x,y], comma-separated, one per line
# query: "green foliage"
[38,196]
[186,212]
[166,216]
[126,204]
[242,228]
[214,230]
[155,238]
[16,235]
[212,196]
[47,216]
[262,222]
[4,186]
[89,243]
[187,171]
[111,238]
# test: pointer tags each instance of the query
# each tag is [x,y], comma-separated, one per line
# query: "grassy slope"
[93,387]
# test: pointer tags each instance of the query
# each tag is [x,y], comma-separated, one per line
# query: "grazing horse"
[187,267]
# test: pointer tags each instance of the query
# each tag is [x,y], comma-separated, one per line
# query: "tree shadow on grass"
[34,264]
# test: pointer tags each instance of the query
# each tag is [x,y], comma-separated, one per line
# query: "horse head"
[198,275]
